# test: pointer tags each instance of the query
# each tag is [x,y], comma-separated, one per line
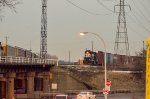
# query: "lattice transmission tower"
[43,45]
[121,42]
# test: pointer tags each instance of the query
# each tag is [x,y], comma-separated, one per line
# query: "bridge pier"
[30,84]
[2,86]
[45,82]
[38,83]
[23,80]
[10,85]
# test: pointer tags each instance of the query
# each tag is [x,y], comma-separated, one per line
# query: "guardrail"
[26,60]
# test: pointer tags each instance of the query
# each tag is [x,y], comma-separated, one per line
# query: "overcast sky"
[65,21]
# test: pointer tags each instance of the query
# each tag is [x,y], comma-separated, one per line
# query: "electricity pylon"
[121,41]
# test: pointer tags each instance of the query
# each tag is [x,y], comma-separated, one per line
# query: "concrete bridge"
[22,77]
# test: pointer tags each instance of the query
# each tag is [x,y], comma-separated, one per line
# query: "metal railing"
[26,60]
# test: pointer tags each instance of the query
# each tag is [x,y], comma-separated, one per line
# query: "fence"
[26,60]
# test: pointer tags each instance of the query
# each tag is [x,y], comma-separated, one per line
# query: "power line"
[139,22]
[144,6]
[140,11]
[104,6]
[137,33]
[134,31]
[89,12]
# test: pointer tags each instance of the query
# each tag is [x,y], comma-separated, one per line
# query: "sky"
[65,21]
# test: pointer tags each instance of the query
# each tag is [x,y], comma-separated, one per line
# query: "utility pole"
[30,47]
[143,50]
[6,38]
[92,45]
[121,41]
[69,57]
[43,46]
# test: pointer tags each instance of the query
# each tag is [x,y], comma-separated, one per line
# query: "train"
[97,58]
[90,58]
[14,51]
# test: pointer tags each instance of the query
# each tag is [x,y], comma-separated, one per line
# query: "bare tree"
[8,3]
[140,59]
[51,56]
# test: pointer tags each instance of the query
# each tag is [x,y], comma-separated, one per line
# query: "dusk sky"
[65,21]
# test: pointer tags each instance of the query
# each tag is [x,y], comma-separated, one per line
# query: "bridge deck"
[4,68]
[24,64]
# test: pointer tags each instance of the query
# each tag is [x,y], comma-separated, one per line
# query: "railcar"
[14,51]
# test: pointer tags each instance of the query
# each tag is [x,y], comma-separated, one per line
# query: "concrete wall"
[65,82]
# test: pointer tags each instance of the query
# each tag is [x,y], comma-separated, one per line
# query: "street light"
[84,33]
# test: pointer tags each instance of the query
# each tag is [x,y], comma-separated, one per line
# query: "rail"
[26,60]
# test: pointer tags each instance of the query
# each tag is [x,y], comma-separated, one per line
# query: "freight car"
[109,58]
[14,51]
[100,58]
